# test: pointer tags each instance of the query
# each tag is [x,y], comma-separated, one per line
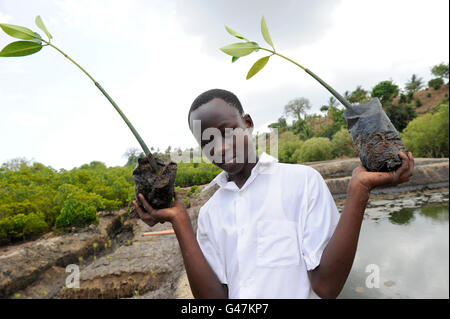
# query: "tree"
[332,102]
[302,129]
[436,83]
[297,107]
[415,84]
[324,108]
[278,124]
[359,95]
[386,91]
[132,154]
[440,70]
[400,115]
[347,94]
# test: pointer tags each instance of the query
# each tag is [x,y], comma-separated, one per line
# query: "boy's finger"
[147,206]
[405,164]
[411,162]
[141,213]
[144,216]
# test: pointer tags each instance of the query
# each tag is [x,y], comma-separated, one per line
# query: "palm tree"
[415,84]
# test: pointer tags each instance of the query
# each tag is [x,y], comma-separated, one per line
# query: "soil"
[376,138]
[157,188]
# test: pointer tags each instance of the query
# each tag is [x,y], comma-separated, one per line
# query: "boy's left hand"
[371,180]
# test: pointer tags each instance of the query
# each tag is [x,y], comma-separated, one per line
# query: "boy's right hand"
[153,216]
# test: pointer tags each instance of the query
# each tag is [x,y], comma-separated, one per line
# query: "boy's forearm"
[202,279]
[328,279]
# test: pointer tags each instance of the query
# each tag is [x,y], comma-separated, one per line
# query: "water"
[405,241]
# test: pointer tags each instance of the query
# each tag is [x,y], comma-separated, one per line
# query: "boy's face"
[218,120]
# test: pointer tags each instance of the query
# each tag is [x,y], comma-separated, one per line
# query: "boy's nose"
[223,147]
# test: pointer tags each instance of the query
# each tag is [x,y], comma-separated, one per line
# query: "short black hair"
[209,95]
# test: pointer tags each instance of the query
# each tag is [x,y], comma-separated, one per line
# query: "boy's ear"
[248,122]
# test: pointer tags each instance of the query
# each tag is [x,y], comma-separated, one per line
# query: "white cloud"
[4,18]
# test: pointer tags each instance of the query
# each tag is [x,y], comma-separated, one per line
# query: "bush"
[21,226]
[428,94]
[427,136]
[402,99]
[288,143]
[76,213]
[315,149]
[193,190]
[435,83]
[343,144]
[189,174]
[418,103]
[400,115]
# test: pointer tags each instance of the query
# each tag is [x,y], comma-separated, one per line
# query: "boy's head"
[217,120]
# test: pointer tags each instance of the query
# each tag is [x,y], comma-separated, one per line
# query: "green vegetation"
[315,149]
[427,136]
[415,84]
[440,70]
[400,115]
[35,198]
[195,173]
[342,144]
[436,83]
[386,91]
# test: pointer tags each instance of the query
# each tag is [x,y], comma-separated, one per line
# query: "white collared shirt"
[261,239]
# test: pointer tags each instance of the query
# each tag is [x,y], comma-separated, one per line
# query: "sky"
[155,57]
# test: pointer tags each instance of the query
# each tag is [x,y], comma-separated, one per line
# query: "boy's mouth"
[225,162]
[229,161]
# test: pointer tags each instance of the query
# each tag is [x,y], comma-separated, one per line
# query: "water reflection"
[410,247]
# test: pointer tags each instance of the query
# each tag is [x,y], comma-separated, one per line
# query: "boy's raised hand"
[371,180]
[153,216]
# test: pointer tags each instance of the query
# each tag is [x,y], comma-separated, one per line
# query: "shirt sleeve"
[320,219]
[209,247]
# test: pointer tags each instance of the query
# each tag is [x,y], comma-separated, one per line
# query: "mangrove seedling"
[153,178]
[376,138]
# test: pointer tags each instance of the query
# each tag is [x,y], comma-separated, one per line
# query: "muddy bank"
[124,264]
[429,173]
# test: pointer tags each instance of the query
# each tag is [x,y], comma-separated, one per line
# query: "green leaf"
[38,39]
[239,49]
[258,66]
[234,59]
[17,31]
[265,32]
[235,33]
[41,26]
[20,48]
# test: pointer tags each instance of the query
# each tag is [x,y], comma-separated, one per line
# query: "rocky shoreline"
[116,261]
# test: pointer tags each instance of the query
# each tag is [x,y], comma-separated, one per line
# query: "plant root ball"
[376,138]
[158,189]
[379,151]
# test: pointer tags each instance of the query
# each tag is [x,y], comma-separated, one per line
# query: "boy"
[271,230]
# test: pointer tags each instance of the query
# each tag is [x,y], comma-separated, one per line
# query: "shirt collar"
[264,165]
